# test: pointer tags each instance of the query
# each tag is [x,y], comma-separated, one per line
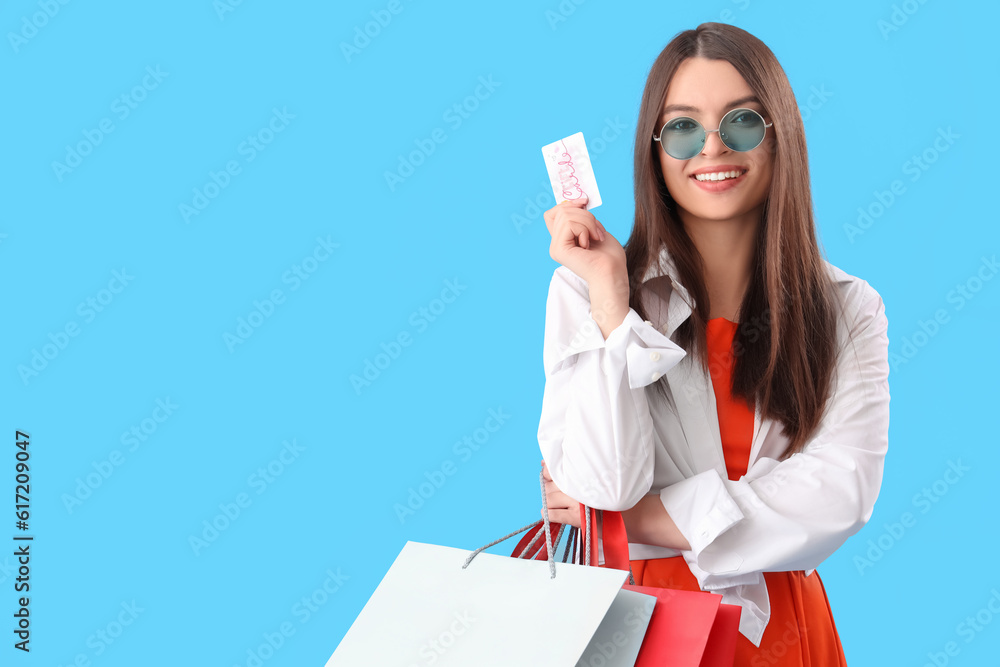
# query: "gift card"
[570,171]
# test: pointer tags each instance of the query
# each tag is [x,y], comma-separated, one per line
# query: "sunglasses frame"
[656,137]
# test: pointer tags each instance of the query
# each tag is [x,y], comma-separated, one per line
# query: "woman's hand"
[581,244]
[562,508]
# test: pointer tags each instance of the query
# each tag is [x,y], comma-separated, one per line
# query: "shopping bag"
[617,641]
[499,611]
[687,628]
[436,605]
[683,628]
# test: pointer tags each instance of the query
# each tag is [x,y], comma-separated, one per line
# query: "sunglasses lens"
[742,129]
[682,138]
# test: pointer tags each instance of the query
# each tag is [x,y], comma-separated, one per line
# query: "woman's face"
[706,90]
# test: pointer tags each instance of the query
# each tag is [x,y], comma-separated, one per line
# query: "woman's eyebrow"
[685,107]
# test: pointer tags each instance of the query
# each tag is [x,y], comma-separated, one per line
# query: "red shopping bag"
[687,627]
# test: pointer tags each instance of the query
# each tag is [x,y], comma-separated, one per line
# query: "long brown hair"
[784,347]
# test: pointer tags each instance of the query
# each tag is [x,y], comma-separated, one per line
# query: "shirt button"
[654,355]
[656,376]
[704,533]
[648,322]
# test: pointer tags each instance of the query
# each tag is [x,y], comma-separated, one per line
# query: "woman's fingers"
[567,221]
[585,227]
[567,517]
[593,226]
[555,498]
[576,235]
[550,215]
[561,508]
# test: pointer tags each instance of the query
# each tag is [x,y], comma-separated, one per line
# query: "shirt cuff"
[703,509]
[646,353]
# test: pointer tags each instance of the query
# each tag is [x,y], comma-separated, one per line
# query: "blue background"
[871,98]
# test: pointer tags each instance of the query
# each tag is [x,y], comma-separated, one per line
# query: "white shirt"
[608,438]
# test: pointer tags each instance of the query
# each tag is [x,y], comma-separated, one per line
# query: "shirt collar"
[681,304]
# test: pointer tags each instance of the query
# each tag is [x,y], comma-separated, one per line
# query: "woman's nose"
[713,144]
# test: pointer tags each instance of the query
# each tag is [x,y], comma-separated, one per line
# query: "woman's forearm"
[609,303]
[649,523]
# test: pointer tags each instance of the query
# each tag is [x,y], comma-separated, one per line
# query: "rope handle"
[547,531]
[615,551]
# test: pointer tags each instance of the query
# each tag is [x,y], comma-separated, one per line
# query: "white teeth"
[719,176]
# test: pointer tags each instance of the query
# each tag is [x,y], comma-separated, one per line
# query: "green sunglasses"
[741,130]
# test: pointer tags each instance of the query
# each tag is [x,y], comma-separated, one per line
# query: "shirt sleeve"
[595,430]
[793,514]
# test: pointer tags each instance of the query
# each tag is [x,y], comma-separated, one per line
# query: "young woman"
[717,381]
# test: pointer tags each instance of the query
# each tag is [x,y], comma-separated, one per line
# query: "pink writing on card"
[570,171]
[567,178]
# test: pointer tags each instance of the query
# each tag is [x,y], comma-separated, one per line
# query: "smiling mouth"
[715,177]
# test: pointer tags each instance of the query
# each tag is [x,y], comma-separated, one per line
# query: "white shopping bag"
[502,611]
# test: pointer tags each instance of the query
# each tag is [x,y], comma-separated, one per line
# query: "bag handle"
[547,531]
[588,524]
[614,538]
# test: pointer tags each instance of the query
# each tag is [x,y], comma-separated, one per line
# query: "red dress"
[801,631]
